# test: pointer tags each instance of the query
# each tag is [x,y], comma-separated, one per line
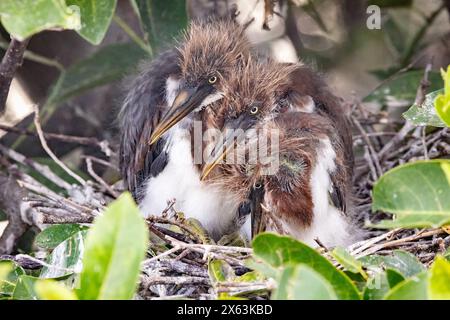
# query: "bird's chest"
[180,181]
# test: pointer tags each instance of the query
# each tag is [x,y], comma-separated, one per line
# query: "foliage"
[417,193]
[442,101]
[114,249]
[300,272]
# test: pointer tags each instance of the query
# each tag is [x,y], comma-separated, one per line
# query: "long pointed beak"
[256,199]
[221,149]
[186,101]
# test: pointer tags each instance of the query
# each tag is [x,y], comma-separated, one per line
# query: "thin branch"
[97,178]
[50,152]
[11,61]
[86,141]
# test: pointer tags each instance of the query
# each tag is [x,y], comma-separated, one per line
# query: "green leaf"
[401,261]
[425,114]
[279,251]
[439,282]
[115,247]
[9,274]
[65,259]
[220,271]
[251,276]
[403,87]
[377,285]
[303,283]
[395,34]
[51,237]
[348,261]
[26,17]
[108,64]
[95,18]
[442,102]
[24,289]
[5,269]
[414,288]
[394,277]
[53,290]
[417,193]
[161,20]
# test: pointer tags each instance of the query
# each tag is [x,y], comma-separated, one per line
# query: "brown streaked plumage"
[146,102]
[157,121]
[315,164]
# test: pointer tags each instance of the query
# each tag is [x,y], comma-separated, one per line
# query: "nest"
[182,270]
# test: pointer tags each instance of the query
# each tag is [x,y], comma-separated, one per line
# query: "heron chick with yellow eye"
[157,122]
[309,194]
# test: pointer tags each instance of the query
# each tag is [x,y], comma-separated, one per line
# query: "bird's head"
[251,99]
[211,52]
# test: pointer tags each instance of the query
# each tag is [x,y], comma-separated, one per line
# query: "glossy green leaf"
[394,277]
[395,34]
[377,285]
[417,193]
[162,21]
[425,114]
[5,268]
[95,18]
[442,102]
[108,64]
[26,17]
[66,258]
[115,247]
[301,282]
[439,282]
[251,276]
[24,289]
[279,251]
[53,290]
[401,261]
[8,282]
[52,236]
[220,271]
[347,260]
[414,288]
[403,87]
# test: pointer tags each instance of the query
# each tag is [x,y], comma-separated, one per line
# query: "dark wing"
[306,81]
[141,111]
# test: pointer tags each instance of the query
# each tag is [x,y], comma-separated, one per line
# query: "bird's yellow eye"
[254,110]
[212,79]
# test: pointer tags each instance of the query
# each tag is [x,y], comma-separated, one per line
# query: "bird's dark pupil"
[258,185]
[212,79]
[254,110]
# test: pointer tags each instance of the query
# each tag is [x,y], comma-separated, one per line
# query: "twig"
[87,141]
[50,152]
[97,178]
[11,202]
[12,59]
[42,169]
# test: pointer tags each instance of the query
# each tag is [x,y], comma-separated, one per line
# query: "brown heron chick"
[157,117]
[309,193]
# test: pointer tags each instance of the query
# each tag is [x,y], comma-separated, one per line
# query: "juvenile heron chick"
[157,117]
[308,193]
